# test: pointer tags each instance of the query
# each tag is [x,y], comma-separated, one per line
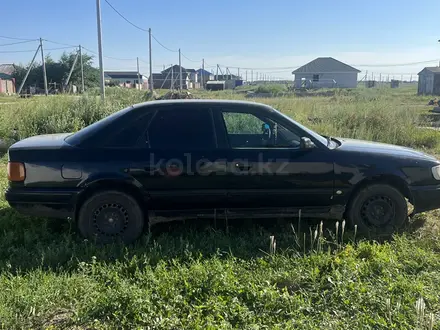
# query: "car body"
[214,158]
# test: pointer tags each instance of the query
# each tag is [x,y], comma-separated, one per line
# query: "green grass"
[199,276]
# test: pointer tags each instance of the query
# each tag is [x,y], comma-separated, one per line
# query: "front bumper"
[43,202]
[425,198]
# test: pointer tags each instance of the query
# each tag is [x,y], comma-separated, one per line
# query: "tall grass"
[263,276]
[371,115]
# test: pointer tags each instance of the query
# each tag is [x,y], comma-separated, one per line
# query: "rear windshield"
[83,134]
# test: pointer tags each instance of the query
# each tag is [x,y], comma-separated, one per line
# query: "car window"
[181,128]
[246,130]
[242,123]
[128,136]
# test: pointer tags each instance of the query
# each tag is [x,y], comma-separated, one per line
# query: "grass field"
[199,276]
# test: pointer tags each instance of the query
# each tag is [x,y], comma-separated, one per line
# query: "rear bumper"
[43,203]
[425,198]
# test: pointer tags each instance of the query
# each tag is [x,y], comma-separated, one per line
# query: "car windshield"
[78,137]
[315,135]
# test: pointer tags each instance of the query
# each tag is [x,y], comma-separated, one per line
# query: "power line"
[16,43]
[60,43]
[13,38]
[109,57]
[126,19]
[29,50]
[174,51]
[188,58]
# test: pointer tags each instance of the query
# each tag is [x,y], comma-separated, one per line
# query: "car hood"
[376,148]
[47,141]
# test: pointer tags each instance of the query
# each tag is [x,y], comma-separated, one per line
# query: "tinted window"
[245,130]
[90,130]
[128,136]
[181,128]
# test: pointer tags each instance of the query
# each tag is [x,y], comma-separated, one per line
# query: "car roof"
[200,101]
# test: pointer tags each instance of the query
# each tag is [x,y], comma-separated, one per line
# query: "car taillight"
[16,172]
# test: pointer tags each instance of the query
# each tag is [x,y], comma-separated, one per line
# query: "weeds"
[312,275]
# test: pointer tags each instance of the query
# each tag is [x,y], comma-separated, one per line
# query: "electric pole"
[151,61]
[246,75]
[202,85]
[82,69]
[252,75]
[180,71]
[44,68]
[28,70]
[101,61]
[139,78]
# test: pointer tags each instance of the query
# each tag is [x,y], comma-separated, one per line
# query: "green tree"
[58,71]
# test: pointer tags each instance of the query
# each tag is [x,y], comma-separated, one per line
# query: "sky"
[270,37]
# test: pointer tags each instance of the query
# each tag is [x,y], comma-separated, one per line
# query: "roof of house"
[176,69]
[8,69]
[433,69]
[204,72]
[325,64]
[226,77]
[122,74]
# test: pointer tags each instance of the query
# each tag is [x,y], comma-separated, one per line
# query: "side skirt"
[335,212]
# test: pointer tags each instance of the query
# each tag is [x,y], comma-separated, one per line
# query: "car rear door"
[179,163]
[264,176]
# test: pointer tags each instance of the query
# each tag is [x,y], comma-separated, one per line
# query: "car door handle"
[243,167]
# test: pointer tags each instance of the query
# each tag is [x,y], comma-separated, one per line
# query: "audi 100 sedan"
[165,160]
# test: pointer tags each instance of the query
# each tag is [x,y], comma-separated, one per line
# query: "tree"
[58,71]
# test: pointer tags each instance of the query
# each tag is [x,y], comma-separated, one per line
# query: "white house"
[326,72]
[127,78]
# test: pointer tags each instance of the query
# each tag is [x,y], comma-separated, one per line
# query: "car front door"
[266,165]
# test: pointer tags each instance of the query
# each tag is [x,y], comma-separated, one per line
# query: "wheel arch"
[392,180]
[107,184]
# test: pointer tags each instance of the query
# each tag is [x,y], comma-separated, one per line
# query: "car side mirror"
[306,143]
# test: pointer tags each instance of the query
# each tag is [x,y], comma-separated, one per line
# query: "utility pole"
[28,70]
[216,76]
[202,85]
[82,69]
[151,61]
[44,68]
[172,77]
[180,71]
[238,73]
[101,61]
[401,78]
[139,77]
[246,75]
[252,75]
[71,71]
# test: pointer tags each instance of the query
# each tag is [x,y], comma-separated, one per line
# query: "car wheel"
[378,209]
[111,216]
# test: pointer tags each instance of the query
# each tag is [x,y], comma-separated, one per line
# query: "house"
[204,76]
[127,79]
[170,78]
[7,81]
[325,72]
[429,81]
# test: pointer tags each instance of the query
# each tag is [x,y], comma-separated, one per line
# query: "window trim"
[172,107]
[259,114]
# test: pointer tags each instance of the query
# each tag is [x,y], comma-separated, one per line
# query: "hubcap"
[110,219]
[378,211]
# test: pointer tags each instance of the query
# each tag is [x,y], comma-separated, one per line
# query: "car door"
[178,163]
[262,174]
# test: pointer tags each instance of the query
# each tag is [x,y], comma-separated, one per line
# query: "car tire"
[111,216]
[378,210]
